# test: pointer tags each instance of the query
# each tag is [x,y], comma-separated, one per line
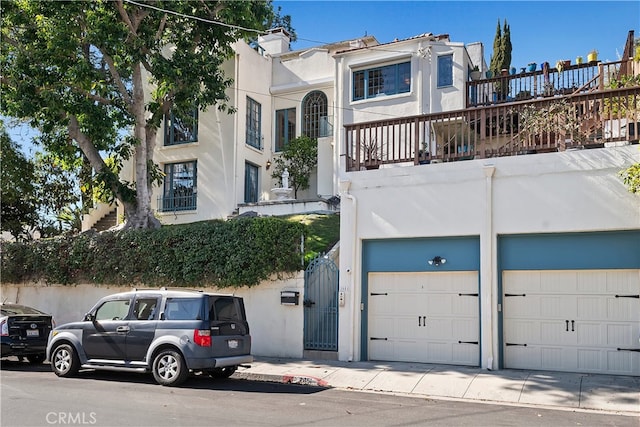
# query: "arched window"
[314,115]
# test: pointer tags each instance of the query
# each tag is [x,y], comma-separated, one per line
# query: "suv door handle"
[122,329]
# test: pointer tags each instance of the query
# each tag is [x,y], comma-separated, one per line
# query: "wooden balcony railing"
[559,121]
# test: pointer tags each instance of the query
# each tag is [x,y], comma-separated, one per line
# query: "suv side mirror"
[89,317]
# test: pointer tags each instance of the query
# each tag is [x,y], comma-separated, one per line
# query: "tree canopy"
[97,78]
[18,202]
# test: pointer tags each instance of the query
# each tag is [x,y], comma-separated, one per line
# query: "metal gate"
[321,305]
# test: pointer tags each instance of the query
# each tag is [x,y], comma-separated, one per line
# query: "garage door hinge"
[377,339]
[467,295]
[515,295]
[627,296]
[629,349]
[509,344]
[468,342]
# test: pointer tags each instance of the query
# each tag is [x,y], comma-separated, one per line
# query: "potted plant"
[424,155]
[531,66]
[592,56]
[579,60]
[563,64]
[475,73]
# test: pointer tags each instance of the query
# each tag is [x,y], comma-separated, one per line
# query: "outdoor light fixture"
[437,261]
[268,164]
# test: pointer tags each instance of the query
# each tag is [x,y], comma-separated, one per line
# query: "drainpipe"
[419,82]
[353,270]
[236,136]
[430,67]
[489,294]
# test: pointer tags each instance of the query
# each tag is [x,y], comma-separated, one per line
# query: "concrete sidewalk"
[619,394]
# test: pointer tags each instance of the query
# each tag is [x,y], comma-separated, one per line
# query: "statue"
[284,192]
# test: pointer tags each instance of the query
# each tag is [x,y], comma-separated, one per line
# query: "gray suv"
[169,333]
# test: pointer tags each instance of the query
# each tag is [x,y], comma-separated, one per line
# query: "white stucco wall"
[425,97]
[276,330]
[577,191]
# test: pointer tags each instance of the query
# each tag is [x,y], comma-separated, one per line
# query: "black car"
[24,332]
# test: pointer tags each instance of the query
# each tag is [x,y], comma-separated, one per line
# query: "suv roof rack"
[166,288]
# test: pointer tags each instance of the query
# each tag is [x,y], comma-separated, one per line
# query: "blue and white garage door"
[417,311]
[424,317]
[575,319]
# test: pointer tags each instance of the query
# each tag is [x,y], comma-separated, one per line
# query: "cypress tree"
[506,45]
[495,64]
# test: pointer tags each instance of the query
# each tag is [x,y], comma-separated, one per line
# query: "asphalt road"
[34,396]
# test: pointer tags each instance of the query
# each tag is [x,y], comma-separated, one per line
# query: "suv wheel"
[169,368]
[222,372]
[64,361]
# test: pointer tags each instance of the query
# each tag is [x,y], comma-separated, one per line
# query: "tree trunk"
[141,215]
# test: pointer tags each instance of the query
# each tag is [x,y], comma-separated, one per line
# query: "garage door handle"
[469,342]
[567,325]
[467,295]
[515,295]
[373,294]
[629,349]
[509,344]
[377,339]
[628,296]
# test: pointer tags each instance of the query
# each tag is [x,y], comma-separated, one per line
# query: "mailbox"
[289,297]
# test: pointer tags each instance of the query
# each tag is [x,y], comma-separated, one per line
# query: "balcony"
[582,106]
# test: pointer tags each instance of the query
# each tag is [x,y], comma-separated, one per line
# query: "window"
[250,183]
[445,70]
[254,116]
[314,115]
[179,191]
[145,308]
[180,131]
[113,310]
[184,309]
[285,127]
[381,81]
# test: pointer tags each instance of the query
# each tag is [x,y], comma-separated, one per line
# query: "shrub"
[241,252]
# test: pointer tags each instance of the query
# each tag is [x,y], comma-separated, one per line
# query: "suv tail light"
[202,337]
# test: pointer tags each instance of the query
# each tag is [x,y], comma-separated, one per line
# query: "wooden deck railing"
[585,118]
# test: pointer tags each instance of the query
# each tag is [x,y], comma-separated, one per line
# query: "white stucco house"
[499,261]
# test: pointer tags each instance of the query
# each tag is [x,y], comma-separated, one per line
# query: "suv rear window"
[224,309]
[183,309]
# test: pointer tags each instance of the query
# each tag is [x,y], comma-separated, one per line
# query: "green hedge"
[241,252]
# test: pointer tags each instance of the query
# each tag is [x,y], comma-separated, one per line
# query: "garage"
[582,321]
[420,300]
[426,317]
[571,302]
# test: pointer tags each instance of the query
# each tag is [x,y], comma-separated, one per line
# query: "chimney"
[276,41]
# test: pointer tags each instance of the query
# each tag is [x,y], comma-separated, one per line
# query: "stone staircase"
[107,221]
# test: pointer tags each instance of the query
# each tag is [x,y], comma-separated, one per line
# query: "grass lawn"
[324,233]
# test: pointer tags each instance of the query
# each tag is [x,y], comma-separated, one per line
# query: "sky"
[541,31]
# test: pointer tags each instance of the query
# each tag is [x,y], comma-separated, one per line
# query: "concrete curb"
[306,380]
